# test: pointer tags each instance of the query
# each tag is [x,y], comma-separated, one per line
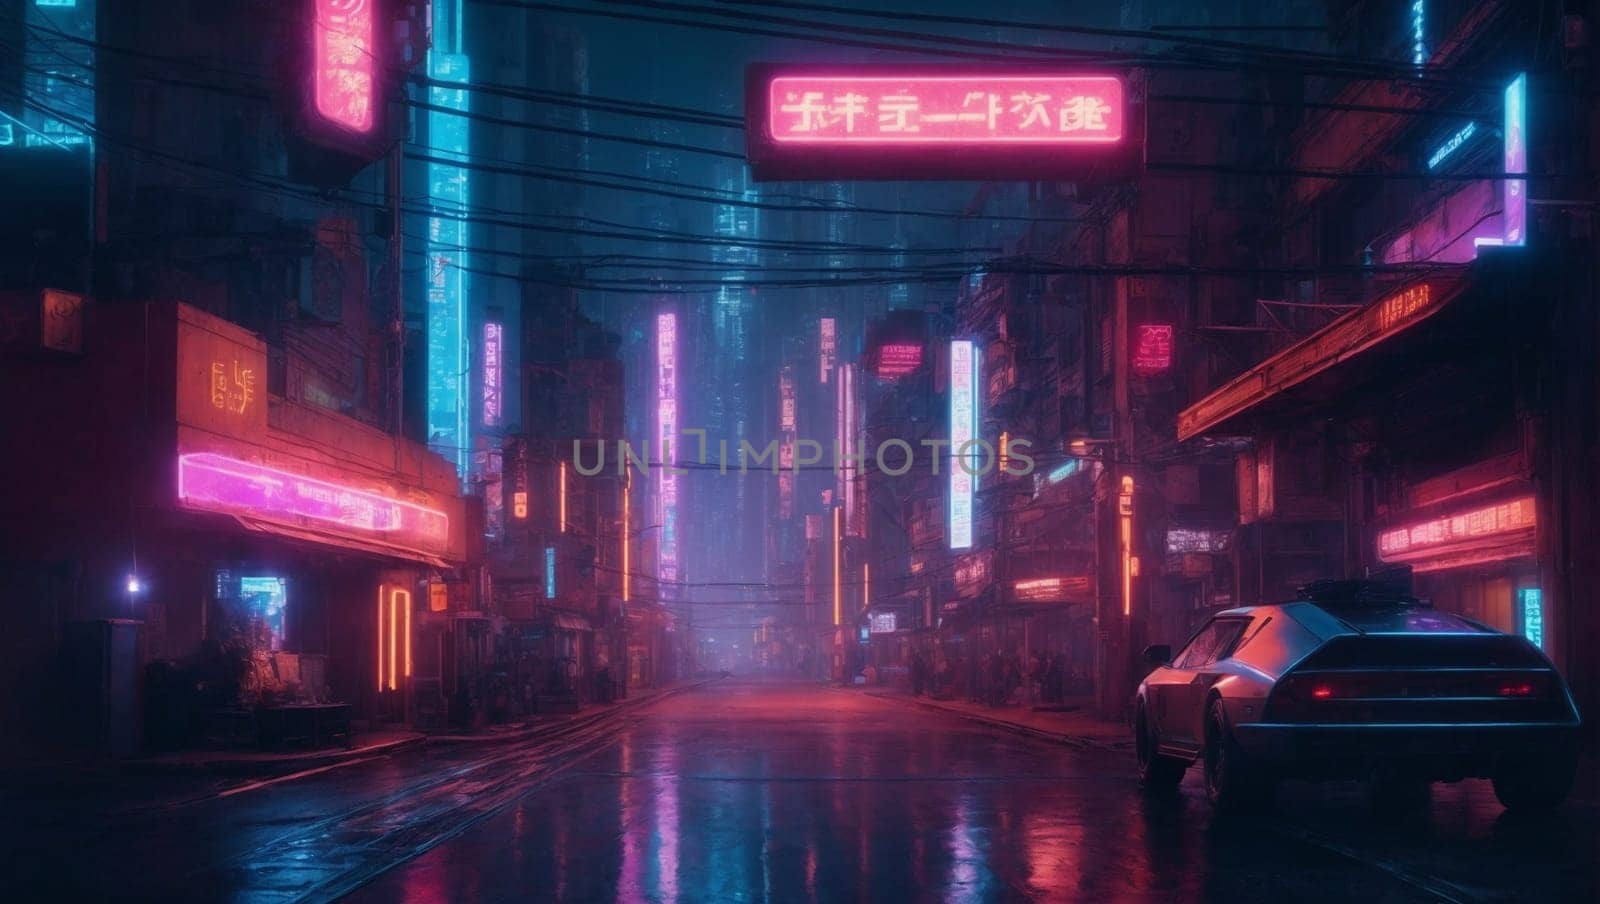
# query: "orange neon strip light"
[563,497]
[866,585]
[838,600]
[404,597]
[394,642]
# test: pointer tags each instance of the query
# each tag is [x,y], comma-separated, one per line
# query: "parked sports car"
[1354,680]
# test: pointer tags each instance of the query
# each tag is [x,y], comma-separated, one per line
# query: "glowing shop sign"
[1198,540]
[493,336]
[233,388]
[218,483]
[344,55]
[1452,144]
[666,433]
[1532,604]
[964,371]
[1153,353]
[448,413]
[1050,590]
[1515,218]
[954,109]
[1490,521]
[899,359]
[1066,469]
[549,572]
[883,622]
[828,348]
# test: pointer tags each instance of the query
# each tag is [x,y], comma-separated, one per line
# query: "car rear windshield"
[1378,618]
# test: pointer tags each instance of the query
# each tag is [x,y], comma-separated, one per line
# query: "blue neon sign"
[1452,144]
[1419,49]
[1532,600]
[1066,470]
[1516,161]
[448,198]
[549,572]
[965,453]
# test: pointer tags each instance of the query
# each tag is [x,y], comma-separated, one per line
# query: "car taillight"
[1322,692]
[1518,689]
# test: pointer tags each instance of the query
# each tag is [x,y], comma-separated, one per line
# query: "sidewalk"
[1076,727]
[267,762]
[563,722]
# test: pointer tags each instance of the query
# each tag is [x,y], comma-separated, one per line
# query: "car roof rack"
[1357,591]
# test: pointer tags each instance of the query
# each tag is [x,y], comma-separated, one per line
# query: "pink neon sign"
[344,50]
[493,336]
[666,437]
[219,483]
[946,109]
[1490,521]
[899,359]
[1153,354]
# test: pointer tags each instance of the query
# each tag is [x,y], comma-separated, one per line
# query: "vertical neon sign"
[666,431]
[1419,48]
[846,448]
[549,572]
[493,348]
[827,351]
[786,442]
[343,57]
[448,199]
[1516,161]
[1532,599]
[964,366]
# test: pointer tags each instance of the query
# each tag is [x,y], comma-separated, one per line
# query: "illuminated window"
[265,599]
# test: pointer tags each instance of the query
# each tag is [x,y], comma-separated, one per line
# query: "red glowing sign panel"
[1152,353]
[1490,521]
[218,483]
[950,109]
[897,360]
[344,61]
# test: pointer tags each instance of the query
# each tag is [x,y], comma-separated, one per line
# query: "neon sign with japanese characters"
[956,109]
[1498,520]
[1153,352]
[344,58]
[493,337]
[941,122]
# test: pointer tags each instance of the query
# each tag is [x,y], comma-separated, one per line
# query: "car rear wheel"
[1233,783]
[1534,782]
[1157,773]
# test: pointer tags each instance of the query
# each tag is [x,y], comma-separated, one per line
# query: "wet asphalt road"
[762,790]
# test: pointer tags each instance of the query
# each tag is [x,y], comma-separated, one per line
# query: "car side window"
[1233,630]
[1199,647]
[1213,642]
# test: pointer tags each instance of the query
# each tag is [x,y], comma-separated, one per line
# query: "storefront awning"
[568,621]
[326,541]
[1305,363]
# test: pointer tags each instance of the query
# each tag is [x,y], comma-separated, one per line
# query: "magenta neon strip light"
[218,483]
[666,436]
[957,109]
